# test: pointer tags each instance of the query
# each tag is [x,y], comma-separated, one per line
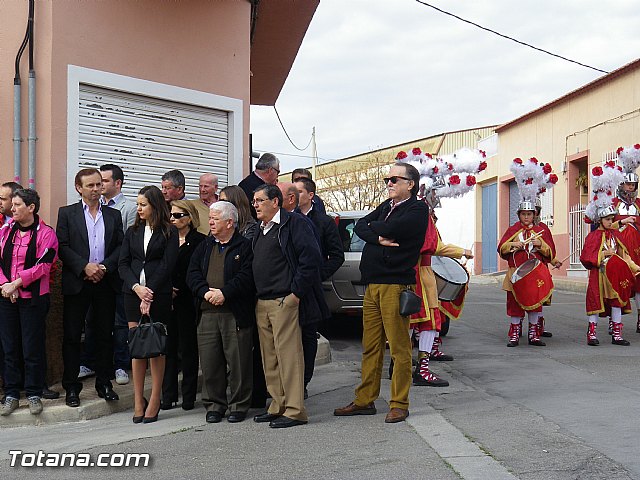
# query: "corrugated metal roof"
[440,144]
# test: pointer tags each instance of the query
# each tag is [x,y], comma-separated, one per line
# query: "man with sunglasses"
[266,172]
[393,234]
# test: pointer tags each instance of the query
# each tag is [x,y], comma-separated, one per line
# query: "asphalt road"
[564,411]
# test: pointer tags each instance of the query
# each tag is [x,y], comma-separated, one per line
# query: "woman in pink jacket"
[28,248]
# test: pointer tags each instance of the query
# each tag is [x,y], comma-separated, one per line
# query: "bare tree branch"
[354,186]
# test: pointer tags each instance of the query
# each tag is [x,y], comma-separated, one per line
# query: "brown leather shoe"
[353,409]
[396,415]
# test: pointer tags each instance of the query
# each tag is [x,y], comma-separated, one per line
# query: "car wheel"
[444,328]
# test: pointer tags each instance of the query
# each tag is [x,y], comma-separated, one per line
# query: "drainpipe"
[32,129]
[16,130]
[32,103]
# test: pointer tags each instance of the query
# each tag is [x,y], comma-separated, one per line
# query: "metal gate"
[148,136]
[578,231]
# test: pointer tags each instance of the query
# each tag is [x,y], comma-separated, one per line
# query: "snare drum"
[532,284]
[620,278]
[451,277]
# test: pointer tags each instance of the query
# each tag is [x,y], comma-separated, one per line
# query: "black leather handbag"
[147,340]
[410,302]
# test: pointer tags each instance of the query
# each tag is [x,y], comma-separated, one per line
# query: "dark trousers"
[120,340]
[259,393]
[100,297]
[309,349]
[22,328]
[182,350]
[221,345]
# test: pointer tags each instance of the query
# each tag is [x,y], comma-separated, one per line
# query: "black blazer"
[239,290]
[330,243]
[159,261]
[192,240]
[407,225]
[73,239]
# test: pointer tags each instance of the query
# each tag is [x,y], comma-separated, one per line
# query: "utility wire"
[510,38]
[288,137]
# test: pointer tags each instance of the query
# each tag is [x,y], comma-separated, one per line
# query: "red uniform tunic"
[545,253]
[429,315]
[613,286]
[630,233]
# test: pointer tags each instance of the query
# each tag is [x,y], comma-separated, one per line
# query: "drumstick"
[567,257]
[532,238]
[528,240]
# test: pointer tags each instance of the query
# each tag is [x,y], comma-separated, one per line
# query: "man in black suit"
[90,236]
[266,172]
[332,258]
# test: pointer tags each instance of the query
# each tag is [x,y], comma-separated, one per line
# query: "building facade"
[573,133]
[148,85]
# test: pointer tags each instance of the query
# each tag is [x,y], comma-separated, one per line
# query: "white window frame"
[80,75]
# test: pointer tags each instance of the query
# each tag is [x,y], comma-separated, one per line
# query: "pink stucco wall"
[198,44]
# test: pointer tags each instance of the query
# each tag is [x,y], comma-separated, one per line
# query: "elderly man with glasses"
[393,234]
[286,271]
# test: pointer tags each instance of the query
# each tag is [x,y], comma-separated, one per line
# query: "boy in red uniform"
[521,242]
[611,279]
[428,321]
[526,241]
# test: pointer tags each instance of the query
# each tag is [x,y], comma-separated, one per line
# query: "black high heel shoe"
[141,417]
[150,419]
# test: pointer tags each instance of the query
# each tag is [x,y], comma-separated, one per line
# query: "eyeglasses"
[178,215]
[277,170]
[258,201]
[394,179]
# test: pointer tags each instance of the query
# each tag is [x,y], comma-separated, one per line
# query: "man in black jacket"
[221,280]
[266,173]
[394,233]
[330,243]
[286,271]
[332,259]
[90,237]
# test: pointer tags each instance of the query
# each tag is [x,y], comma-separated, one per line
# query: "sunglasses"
[394,179]
[178,215]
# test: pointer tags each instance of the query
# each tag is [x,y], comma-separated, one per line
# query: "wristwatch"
[103,268]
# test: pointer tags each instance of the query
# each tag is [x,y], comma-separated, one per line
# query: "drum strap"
[425,260]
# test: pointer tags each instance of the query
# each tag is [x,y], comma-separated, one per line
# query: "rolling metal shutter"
[148,136]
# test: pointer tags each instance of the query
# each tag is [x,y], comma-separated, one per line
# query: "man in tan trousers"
[286,271]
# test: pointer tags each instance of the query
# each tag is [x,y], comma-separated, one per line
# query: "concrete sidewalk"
[565,284]
[92,406]
[184,446]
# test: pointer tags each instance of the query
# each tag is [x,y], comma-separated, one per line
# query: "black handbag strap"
[145,316]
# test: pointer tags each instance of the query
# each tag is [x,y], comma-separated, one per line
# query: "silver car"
[344,291]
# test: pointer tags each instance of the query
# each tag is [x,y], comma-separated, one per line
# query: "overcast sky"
[373,73]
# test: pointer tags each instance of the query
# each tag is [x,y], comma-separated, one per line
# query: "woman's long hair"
[239,199]
[160,216]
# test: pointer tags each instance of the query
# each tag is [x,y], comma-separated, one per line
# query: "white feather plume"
[629,158]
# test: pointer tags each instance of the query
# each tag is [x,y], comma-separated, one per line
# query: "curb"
[92,406]
[563,284]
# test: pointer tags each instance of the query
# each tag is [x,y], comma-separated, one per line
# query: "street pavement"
[564,411]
